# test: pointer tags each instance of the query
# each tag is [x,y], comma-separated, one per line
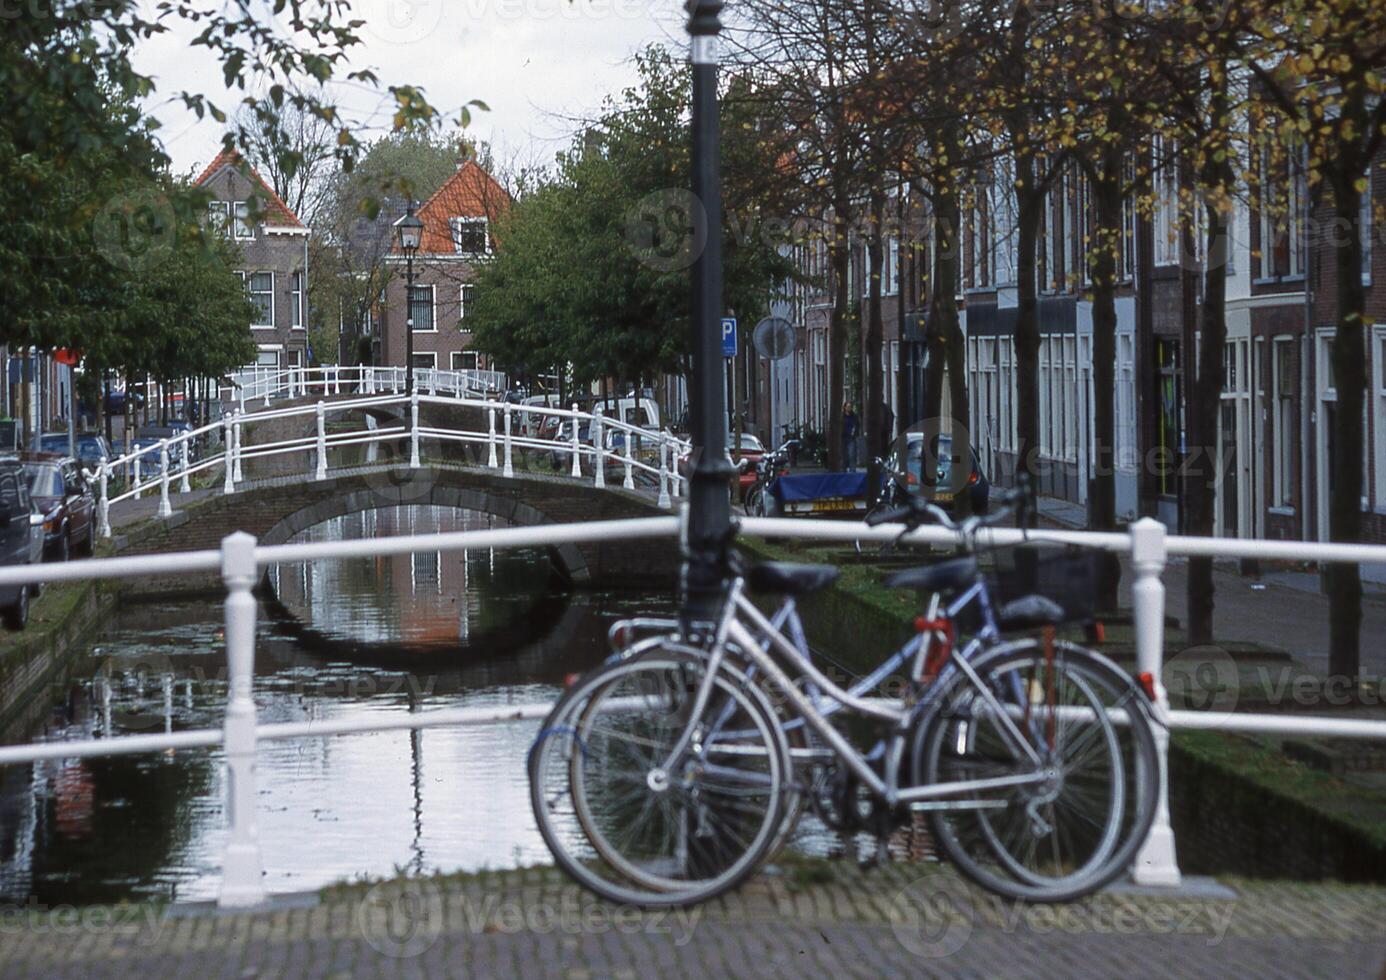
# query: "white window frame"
[456,223]
[464,293]
[246,278]
[432,356]
[296,309]
[219,217]
[432,306]
[458,355]
[239,212]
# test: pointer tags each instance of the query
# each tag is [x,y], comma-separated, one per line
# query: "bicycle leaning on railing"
[666,775]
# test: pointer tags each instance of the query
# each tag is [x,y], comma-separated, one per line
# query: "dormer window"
[469,235]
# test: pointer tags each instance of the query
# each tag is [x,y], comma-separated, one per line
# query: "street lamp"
[709,496]
[409,233]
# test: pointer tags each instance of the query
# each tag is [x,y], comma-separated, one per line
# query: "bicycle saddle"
[786,578]
[1029,612]
[945,576]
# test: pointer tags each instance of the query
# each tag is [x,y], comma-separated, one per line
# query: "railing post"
[577,455]
[183,485]
[227,441]
[664,500]
[370,380]
[599,455]
[269,384]
[236,455]
[105,498]
[509,470]
[629,481]
[491,437]
[337,379]
[414,429]
[242,881]
[1155,862]
[322,442]
[165,506]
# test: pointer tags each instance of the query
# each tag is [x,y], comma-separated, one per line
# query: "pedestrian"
[850,428]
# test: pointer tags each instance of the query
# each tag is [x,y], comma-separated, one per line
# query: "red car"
[62,496]
[750,449]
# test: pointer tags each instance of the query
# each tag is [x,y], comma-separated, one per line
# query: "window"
[464,360]
[296,301]
[219,217]
[241,222]
[231,217]
[425,360]
[1284,385]
[892,267]
[1364,229]
[421,308]
[469,235]
[1126,402]
[1281,208]
[260,287]
[1379,410]
[268,358]
[464,301]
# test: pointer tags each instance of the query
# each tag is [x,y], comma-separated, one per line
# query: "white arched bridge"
[307,427]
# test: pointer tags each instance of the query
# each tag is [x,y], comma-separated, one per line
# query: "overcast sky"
[536,63]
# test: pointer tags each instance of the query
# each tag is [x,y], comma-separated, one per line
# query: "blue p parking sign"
[728,336]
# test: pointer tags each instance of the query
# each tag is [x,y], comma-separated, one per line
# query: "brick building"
[274,256]
[457,234]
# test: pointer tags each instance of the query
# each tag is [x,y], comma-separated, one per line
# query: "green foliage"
[592,267]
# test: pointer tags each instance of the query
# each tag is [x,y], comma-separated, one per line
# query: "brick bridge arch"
[276,509]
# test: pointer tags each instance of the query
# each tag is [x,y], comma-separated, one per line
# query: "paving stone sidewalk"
[811,919]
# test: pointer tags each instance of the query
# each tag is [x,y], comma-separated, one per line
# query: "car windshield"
[44,481]
[748,444]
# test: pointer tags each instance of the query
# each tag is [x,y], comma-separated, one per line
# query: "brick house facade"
[273,244]
[457,234]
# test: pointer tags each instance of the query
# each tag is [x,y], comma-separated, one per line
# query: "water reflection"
[425,600]
[330,809]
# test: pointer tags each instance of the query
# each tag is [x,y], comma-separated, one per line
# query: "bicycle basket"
[1064,575]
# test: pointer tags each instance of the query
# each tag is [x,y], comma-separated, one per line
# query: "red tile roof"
[277,213]
[469,193]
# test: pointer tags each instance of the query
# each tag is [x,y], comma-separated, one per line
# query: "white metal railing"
[650,456]
[242,562]
[256,384]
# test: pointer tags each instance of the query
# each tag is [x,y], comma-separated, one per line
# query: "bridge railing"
[242,563]
[253,384]
[612,451]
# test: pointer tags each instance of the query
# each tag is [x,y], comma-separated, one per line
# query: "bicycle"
[768,469]
[666,775]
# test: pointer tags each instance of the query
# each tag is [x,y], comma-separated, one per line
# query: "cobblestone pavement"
[811,919]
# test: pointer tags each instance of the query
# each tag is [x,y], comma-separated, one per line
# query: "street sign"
[728,336]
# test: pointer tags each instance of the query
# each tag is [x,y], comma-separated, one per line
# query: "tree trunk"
[872,417]
[1200,478]
[1350,380]
[840,257]
[1102,263]
[1027,333]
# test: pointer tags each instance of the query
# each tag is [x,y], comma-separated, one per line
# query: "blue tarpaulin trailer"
[820,493]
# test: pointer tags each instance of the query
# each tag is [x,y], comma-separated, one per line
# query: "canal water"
[342,639]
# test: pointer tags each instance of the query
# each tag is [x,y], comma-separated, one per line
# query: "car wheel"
[17,615]
[64,551]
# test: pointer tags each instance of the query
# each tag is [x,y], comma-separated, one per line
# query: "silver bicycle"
[666,775]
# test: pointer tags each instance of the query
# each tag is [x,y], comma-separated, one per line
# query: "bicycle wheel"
[1078,828]
[633,832]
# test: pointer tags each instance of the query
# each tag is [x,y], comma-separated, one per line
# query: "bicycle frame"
[760,651]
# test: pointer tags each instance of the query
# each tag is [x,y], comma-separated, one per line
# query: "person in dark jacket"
[850,428]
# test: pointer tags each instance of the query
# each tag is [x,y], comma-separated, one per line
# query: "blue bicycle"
[666,775]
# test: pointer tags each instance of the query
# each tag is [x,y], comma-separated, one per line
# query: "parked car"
[645,450]
[17,531]
[750,449]
[64,499]
[945,485]
[155,433]
[562,435]
[631,410]
[92,447]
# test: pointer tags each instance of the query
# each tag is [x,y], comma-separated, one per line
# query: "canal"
[340,639]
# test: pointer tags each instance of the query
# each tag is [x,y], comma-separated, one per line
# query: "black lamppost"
[709,497]
[409,230]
